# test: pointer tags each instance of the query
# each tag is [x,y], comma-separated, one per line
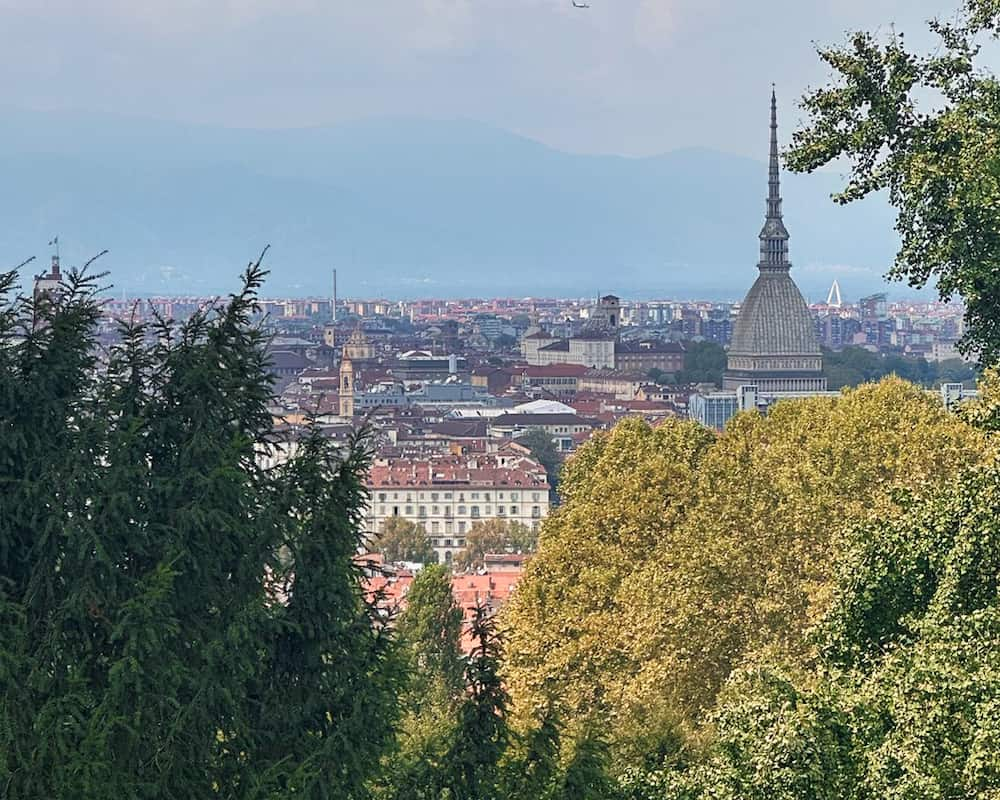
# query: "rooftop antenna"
[333,310]
[55,258]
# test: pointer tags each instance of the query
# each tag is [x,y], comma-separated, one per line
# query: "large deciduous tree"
[624,495]
[676,556]
[925,129]
[403,540]
[903,699]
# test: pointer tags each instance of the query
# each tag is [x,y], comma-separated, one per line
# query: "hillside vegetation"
[677,556]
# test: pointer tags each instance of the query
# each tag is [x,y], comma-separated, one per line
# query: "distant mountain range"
[409,207]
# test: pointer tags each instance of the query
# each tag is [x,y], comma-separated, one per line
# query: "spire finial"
[774,236]
[773,173]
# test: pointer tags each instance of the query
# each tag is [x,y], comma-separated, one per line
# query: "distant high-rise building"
[873,307]
[490,326]
[718,326]
[774,345]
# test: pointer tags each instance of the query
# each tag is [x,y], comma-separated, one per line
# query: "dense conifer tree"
[429,630]
[176,621]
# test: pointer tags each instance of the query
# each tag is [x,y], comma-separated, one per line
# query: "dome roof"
[544,407]
[358,336]
[774,319]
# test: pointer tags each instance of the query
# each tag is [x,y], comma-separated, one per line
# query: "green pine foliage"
[586,776]
[534,773]
[176,621]
[471,767]
[429,629]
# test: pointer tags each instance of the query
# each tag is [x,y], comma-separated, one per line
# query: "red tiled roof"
[451,470]
[554,371]
[491,590]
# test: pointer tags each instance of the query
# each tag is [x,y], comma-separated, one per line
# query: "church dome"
[774,345]
[774,319]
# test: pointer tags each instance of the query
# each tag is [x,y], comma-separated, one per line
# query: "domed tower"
[607,313]
[774,345]
[358,348]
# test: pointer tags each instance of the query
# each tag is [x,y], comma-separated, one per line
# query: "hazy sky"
[624,76]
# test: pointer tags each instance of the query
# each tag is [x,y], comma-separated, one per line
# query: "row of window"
[473,511]
[553,381]
[449,527]
[447,542]
[383,496]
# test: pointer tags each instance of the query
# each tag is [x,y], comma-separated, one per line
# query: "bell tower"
[346,387]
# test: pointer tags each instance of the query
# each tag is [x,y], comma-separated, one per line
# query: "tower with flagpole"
[50,283]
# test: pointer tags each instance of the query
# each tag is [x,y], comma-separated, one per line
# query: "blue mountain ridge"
[411,207]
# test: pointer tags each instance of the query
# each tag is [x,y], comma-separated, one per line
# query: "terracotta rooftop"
[452,470]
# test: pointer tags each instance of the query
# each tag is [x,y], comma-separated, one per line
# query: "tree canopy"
[704,362]
[429,629]
[494,536]
[902,700]
[853,366]
[925,128]
[676,555]
[176,621]
[623,494]
[403,540]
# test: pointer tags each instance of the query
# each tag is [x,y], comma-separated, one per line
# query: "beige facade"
[447,497]
[358,348]
[532,343]
[590,351]
[346,388]
[622,386]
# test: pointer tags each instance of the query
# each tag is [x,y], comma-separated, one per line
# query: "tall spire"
[774,235]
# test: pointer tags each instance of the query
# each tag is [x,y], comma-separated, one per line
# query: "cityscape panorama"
[544,400]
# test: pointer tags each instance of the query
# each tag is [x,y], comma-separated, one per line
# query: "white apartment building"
[447,494]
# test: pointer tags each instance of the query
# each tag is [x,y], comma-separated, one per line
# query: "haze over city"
[426,148]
